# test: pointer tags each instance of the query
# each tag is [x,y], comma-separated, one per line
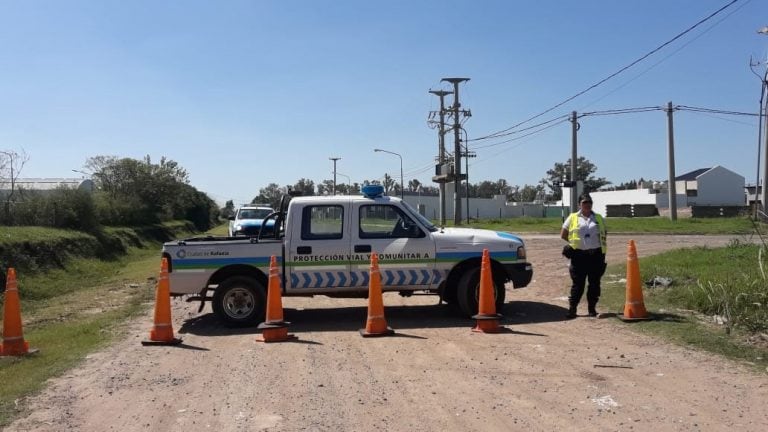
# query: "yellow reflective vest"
[573,231]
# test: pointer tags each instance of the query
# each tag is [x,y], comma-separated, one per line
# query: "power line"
[621,111]
[714,111]
[524,129]
[597,84]
[558,121]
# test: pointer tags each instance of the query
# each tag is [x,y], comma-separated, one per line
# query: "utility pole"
[467,154]
[574,130]
[672,189]
[764,194]
[334,159]
[764,110]
[456,148]
[440,177]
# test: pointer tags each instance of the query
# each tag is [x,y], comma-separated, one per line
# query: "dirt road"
[546,374]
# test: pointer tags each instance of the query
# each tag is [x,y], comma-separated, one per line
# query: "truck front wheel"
[240,301]
[468,293]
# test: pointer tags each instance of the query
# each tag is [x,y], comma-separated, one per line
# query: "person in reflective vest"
[586,234]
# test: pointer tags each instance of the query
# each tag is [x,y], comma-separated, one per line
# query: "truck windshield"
[422,219]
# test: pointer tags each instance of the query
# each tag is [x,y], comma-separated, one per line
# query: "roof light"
[372,191]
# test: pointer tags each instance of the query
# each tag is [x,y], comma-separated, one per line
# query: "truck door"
[318,251]
[406,252]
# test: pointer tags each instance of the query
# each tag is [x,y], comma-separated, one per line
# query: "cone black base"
[273,325]
[174,341]
[625,319]
[387,332]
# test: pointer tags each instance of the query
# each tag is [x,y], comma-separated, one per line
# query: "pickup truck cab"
[324,245]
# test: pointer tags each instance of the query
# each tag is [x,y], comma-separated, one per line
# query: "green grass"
[71,312]
[17,234]
[707,282]
[655,225]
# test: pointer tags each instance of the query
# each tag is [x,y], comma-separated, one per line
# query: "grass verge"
[656,225]
[93,299]
[717,302]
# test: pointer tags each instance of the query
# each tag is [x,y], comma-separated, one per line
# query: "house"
[715,188]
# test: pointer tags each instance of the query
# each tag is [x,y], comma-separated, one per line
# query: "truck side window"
[386,221]
[322,222]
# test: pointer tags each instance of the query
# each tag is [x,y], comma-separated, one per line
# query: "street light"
[349,180]
[402,187]
[82,172]
[334,159]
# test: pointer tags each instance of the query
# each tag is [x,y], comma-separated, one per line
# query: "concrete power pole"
[672,188]
[334,159]
[456,148]
[574,135]
[439,178]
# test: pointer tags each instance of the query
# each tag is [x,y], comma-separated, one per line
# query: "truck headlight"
[521,252]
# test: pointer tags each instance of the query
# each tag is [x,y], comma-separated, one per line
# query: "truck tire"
[468,293]
[240,301]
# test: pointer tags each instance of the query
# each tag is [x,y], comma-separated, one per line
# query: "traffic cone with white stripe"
[13,337]
[376,324]
[162,331]
[487,320]
[634,306]
[275,329]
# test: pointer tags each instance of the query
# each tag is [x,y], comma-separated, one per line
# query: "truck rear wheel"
[240,301]
[468,293]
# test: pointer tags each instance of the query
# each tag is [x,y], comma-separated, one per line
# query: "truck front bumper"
[520,274]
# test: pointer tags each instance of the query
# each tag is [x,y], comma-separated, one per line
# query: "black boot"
[592,310]
[571,312]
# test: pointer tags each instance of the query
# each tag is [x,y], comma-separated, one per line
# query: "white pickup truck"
[324,244]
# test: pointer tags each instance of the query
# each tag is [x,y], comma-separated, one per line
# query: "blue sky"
[246,93]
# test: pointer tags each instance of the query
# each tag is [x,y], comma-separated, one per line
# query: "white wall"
[634,196]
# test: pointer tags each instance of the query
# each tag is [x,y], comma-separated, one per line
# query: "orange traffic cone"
[275,329]
[13,337]
[487,319]
[162,331]
[634,307]
[376,324]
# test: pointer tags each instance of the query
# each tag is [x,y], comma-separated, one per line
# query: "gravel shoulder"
[434,374]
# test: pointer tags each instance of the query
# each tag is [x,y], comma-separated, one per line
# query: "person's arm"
[564,234]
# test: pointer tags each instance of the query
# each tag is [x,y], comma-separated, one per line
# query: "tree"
[414,185]
[228,209]
[305,187]
[487,189]
[529,193]
[389,184]
[584,171]
[11,164]
[139,191]
[430,190]
[270,194]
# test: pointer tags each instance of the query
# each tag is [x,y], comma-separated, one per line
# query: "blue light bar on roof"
[372,191]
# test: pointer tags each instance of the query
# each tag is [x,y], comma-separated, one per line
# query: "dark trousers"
[586,266]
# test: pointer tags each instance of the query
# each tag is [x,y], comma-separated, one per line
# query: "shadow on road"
[398,317]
